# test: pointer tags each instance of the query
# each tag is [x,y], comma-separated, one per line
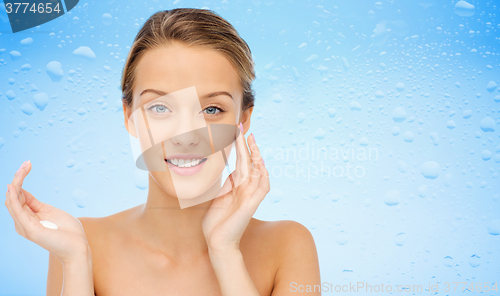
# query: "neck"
[168,227]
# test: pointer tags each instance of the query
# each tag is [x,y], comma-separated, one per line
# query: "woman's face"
[181,99]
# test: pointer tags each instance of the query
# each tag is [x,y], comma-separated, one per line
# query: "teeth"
[185,163]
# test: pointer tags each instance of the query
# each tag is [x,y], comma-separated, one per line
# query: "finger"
[27,222]
[21,168]
[264,184]
[227,186]
[34,204]
[8,204]
[259,179]
[22,200]
[262,189]
[9,208]
[243,163]
[245,149]
[254,149]
[255,158]
[19,179]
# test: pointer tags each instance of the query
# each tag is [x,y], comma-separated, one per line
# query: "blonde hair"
[192,27]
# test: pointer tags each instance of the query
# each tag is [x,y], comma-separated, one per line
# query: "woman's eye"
[159,108]
[212,110]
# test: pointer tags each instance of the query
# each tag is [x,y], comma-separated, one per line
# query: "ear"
[245,119]
[129,120]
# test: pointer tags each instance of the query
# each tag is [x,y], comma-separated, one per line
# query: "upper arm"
[298,271]
[55,273]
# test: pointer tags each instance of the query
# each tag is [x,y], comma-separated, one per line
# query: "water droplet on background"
[27,109]
[80,197]
[55,71]
[487,124]
[41,100]
[435,138]
[319,134]
[430,169]
[15,55]
[391,197]
[276,195]
[84,51]
[334,197]
[486,155]
[408,136]
[399,114]
[465,9]
[342,238]
[400,87]
[474,260]
[400,239]
[141,179]
[107,19]
[491,87]
[448,261]
[27,41]
[494,227]
[315,193]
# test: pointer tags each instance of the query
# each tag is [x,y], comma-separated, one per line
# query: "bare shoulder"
[93,225]
[282,230]
[96,227]
[285,237]
[292,247]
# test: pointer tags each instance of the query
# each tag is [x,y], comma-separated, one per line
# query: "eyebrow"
[205,96]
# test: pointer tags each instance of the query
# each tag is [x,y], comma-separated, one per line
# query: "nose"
[189,129]
[188,138]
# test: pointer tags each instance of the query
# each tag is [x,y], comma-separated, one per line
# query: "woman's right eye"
[159,108]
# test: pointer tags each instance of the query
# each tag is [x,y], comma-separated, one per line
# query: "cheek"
[229,117]
[141,130]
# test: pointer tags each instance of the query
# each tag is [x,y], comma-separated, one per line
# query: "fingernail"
[253,137]
[241,127]
[8,188]
[263,162]
[25,164]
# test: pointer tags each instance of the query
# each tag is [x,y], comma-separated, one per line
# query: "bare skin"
[125,262]
[157,248]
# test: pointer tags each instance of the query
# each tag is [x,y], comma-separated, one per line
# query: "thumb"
[227,186]
[32,202]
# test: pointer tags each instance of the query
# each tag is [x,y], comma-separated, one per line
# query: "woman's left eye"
[212,110]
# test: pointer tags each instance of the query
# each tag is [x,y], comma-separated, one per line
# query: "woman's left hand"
[242,192]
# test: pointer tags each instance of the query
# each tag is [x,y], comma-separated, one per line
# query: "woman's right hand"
[69,242]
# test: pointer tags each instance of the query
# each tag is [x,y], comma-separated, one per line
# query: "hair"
[191,27]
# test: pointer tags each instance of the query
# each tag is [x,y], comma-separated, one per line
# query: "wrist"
[217,249]
[219,254]
[84,256]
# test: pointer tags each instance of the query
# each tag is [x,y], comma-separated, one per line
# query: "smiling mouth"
[186,163]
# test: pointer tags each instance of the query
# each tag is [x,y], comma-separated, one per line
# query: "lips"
[185,164]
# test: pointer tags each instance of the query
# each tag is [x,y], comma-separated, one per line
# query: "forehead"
[174,67]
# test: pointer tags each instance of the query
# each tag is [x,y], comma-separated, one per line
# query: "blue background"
[411,82]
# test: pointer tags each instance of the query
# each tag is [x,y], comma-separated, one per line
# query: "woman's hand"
[69,242]
[242,192]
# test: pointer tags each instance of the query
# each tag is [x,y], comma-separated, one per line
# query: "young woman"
[211,248]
